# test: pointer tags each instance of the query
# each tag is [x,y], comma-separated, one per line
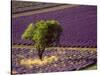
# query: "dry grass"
[29,62]
[59,48]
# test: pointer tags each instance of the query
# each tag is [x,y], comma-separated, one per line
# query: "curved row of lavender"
[79,24]
[68,60]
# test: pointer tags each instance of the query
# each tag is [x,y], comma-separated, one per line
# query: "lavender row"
[67,43]
[79,54]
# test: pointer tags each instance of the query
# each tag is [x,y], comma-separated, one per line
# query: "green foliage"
[28,34]
[46,32]
[43,33]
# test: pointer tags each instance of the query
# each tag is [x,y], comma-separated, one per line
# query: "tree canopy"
[43,33]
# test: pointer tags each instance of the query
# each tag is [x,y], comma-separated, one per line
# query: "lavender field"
[79,24]
[77,49]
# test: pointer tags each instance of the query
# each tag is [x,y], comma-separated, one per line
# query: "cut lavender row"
[69,60]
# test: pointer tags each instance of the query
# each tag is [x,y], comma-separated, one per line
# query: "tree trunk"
[57,42]
[40,53]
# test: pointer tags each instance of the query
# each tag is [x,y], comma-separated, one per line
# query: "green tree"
[43,33]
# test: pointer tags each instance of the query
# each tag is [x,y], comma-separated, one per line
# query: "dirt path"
[61,48]
[43,10]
